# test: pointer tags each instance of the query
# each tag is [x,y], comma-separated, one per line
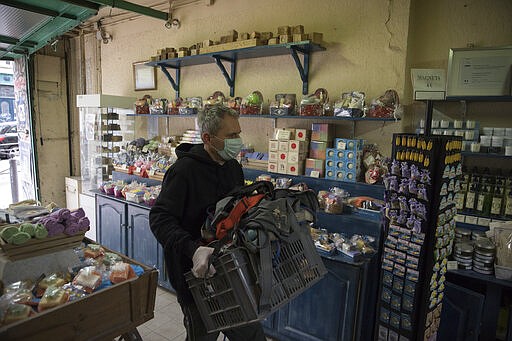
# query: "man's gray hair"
[210,117]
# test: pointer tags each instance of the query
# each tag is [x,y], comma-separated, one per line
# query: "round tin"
[484,245]
[465,267]
[462,232]
[475,234]
[463,257]
[464,249]
[464,261]
[483,271]
[483,265]
[485,253]
[482,258]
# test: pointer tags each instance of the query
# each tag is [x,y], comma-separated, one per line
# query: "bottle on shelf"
[484,199]
[497,200]
[471,197]
[508,204]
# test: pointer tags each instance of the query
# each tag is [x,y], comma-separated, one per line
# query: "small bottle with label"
[497,201]
[508,204]
[471,198]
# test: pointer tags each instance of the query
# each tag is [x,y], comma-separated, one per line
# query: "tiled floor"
[168,321]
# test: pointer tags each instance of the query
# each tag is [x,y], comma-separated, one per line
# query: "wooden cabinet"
[124,227]
[111,223]
[325,312]
[461,315]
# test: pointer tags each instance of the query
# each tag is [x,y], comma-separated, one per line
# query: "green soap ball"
[40,232]
[28,228]
[19,238]
[8,231]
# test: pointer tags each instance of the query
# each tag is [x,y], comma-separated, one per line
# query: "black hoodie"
[190,186]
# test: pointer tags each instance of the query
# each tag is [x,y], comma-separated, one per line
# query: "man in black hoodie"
[201,176]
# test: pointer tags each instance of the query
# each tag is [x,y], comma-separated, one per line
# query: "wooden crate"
[36,247]
[102,315]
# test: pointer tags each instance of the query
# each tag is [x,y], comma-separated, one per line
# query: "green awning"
[28,25]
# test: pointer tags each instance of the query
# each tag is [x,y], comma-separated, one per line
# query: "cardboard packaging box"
[282,167]
[283,146]
[295,169]
[348,144]
[284,133]
[297,146]
[317,149]
[322,132]
[272,167]
[273,145]
[302,134]
[273,156]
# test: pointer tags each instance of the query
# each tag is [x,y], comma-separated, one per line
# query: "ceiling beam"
[13,51]
[84,4]
[129,6]
[14,41]
[37,9]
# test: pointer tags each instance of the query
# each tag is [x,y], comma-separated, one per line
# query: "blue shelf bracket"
[229,79]
[302,67]
[175,84]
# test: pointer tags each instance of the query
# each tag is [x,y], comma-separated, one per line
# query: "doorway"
[16,173]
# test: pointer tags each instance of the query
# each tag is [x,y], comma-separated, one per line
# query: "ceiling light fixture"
[172,23]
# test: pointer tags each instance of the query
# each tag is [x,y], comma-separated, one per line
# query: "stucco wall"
[365,41]
[371,46]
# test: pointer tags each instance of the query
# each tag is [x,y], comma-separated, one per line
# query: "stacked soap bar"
[344,161]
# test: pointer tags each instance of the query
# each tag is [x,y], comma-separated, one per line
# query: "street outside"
[5,184]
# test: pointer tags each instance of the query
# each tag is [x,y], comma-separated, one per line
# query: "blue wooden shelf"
[243,53]
[162,115]
[305,48]
[331,118]
[486,155]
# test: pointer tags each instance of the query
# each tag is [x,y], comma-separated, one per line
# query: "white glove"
[200,260]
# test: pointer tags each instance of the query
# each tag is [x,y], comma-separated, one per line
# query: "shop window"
[5,108]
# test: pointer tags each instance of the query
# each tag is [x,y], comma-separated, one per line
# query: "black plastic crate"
[231,297]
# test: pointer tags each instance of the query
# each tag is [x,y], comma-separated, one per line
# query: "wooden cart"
[102,315]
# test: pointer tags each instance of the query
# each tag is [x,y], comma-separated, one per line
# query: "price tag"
[315,174]
[452,265]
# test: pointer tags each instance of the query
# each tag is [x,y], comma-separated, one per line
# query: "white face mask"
[232,148]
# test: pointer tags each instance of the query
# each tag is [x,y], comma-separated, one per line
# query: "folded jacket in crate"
[254,279]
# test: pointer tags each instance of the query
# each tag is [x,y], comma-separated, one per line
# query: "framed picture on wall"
[479,72]
[144,76]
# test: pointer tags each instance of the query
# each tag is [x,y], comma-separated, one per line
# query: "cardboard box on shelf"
[272,167]
[273,145]
[302,134]
[283,146]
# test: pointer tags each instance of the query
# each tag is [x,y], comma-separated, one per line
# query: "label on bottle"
[496,206]
[470,200]
[480,203]
[459,201]
[508,207]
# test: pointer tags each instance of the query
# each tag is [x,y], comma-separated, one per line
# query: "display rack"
[232,56]
[293,117]
[462,99]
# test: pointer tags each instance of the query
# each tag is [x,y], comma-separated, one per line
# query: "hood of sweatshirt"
[195,151]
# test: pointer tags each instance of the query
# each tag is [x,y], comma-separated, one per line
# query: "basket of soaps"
[98,269]
[59,230]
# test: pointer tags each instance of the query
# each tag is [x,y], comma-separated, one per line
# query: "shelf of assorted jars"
[334,118]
